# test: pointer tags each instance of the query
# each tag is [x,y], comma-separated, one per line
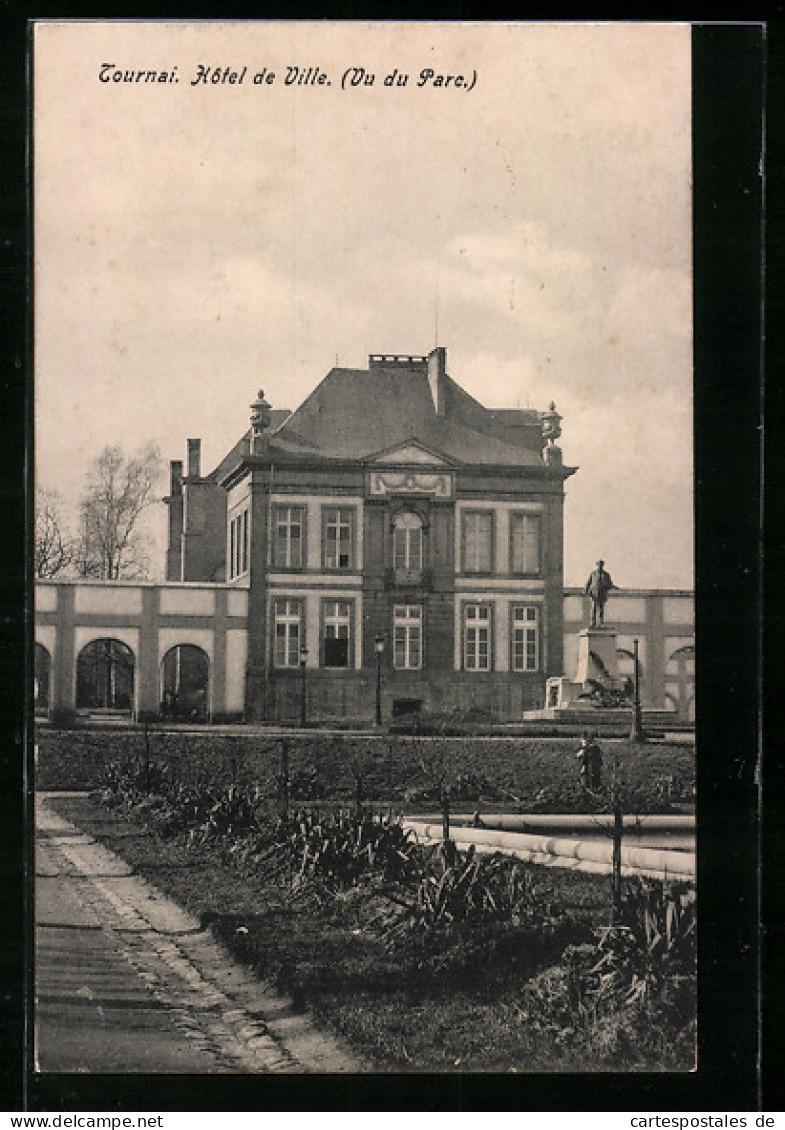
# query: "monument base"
[579,702]
[602,717]
[560,692]
[597,659]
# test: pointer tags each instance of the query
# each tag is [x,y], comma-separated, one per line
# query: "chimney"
[437,368]
[194,458]
[175,477]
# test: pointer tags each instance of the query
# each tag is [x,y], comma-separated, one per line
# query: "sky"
[196,241]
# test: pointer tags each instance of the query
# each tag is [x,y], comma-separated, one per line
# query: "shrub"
[338,850]
[462,887]
[231,812]
[629,997]
[653,941]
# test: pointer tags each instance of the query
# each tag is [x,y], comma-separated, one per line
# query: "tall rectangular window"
[338,547]
[288,633]
[477,637]
[407,541]
[288,537]
[407,637]
[336,632]
[525,637]
[238,544]
[478,542]
[525,543]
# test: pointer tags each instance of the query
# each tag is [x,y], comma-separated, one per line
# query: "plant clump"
[364,925]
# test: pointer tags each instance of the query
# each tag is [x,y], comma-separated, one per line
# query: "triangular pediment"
[409,454]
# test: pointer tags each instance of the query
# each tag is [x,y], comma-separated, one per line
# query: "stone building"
[390,515]
[139,648]
[390,536]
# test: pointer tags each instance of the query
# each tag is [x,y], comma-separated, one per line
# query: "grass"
[513,774]
[463,996]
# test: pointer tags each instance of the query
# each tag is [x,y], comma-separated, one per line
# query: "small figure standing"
[590,762]
[598,586]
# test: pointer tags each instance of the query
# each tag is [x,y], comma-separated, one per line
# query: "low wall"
[594,822]
[575,854]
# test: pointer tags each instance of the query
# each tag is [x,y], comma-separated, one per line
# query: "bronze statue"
[598,586]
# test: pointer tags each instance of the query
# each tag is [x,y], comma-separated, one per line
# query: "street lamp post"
[303,700]
[636,730]
[378,647]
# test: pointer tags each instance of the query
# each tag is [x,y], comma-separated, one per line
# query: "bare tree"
[119,489]
[53,551]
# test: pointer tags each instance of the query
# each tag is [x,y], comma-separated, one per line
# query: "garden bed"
[425,961]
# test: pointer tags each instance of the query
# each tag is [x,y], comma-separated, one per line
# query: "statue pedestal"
[574,701]
[597,663]
[559,692]
[597,657]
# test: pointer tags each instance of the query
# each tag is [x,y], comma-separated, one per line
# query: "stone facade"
[153,620]
[392,532]
[148,623]
[390,506]
[663,622]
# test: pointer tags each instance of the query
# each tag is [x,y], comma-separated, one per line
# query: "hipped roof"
[353,414]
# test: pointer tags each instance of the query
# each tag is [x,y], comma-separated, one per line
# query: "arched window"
[43,667]
[682,661]
[105,676]
[680,677]
[407,541]
[185,683]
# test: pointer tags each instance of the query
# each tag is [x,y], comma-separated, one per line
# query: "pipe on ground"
[561,852]
[581,822]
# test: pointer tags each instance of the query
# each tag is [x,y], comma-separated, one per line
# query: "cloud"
[195,244]
[649,302]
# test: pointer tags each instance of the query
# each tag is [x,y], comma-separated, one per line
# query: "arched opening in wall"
[42,674]
[680,670]
[105,677]
[185,684]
